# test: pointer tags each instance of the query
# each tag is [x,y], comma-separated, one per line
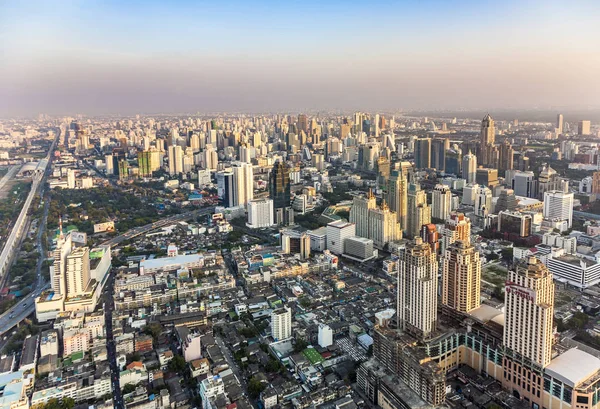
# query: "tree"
[305,302]
[177,364]
[154,329]
[255,387]
[507,255]
[300,345]
[128,389]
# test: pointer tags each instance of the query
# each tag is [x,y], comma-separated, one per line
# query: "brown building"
[461,277]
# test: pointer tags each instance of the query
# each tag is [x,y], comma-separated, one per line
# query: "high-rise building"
[431,236]
[78,271]
[295,242]
[461,277]
[488,151]
[559,205]
[417,289]
[337,233]
[397,190]
[584,128]
[260,213]
[109,165]
[243,181]
[513,222]
[469,194]
[226,188]
[483,201]
[528,328]
[146,162]
[524,184]
[596,182]
[559,124]
[423,153]
[419,212]
[506,159]
[281,324]
[302,123]
[549,180]
[469,167]
[280,192]
[506,201]
[457,227]
[58,269]
[487,177]
[441,202]
[175,160]
[383,226]
[359,213]
[439,147]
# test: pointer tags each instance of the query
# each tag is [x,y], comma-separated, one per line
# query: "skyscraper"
[469,167]
[506,201]
[559,205]
[528,332]
[441,202]
[243,181]
[461,277]
[78,271]
[383,226]
[423,153]
[226,188]
[584,128]
[397,189]
[439,147]
[506,159]
[488,151]
[559,124]
[417,289]
[280,191]
[359,213]
[483,201]
[419,212]
[175,160]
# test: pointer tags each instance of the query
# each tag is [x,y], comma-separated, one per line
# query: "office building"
[419,212]
[528,329]
[506,201]
[417,289]
[358,248]
[469,194]
[397,191]
[488,151]
[513,222]
[325,336]
[487,177]
[295,242]
[584,128]
[58,269]
[226,188]
[423,153]
[559,124]
[454,162]
[148,162]
[359,213]
[461,277]
[439,147]
[524,184]
[431,236]
[280,192]
[469,167]
[260,213]
[441,202]
[550,180]
[506,156]
[559,205]
[281,324]
[337,232]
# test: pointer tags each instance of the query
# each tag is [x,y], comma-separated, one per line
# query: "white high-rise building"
[59,268]
[359,213]
[175,160]
[71,178]
[417,289]
[529,300]
[337,232]
[441,202]
[243,177]
[260,213]
[469,167]
[281,324]
[483,201]
[469,194]
[524,184]
[559,205]
[325,337]
[78,271]
[109,165]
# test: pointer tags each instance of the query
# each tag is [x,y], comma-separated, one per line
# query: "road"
[229,358]
[138,231]
[110,343]
[26,306]
[9,175]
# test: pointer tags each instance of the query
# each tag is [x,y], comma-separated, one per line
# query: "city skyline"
[83,58]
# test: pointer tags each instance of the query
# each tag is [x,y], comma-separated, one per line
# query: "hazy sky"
[97,57]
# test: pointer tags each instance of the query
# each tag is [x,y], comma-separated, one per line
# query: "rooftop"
[573,367]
